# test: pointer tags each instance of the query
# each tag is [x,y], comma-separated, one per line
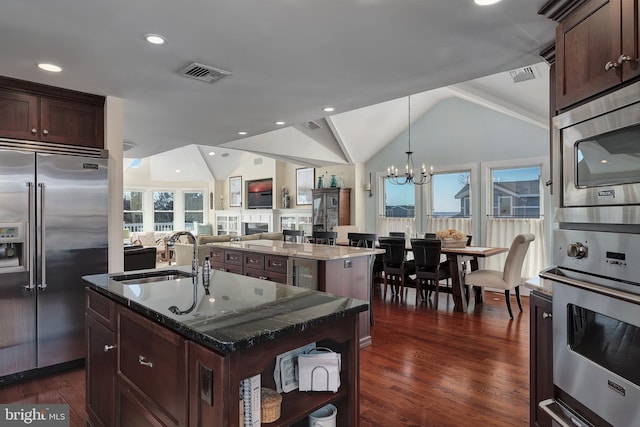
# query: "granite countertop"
[537,284]
[298,250]
[235,313]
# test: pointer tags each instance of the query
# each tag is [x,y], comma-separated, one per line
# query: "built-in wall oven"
[596,253]
[596,327]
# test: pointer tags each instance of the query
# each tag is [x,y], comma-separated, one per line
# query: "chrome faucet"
[194,263]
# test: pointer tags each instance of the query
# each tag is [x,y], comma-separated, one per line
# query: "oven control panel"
[611,255]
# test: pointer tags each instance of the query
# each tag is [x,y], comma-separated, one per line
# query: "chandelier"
[409,177]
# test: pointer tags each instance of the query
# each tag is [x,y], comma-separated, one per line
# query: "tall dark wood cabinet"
[331,207]
[597,48]
[101,360]
[541,357]
[35,112]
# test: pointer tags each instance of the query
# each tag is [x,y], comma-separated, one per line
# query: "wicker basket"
[270,401]
[453,243]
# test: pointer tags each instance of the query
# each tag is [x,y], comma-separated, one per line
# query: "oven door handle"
[562,415]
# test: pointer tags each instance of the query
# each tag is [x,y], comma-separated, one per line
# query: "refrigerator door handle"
[31,239]
[43,272]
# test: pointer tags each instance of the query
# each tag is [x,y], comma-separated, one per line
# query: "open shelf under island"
[173,353]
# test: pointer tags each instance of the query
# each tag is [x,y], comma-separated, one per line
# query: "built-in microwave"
[597,146]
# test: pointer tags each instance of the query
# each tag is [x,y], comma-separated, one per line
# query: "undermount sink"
[151,277]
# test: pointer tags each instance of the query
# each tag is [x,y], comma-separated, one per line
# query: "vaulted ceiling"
[288,59]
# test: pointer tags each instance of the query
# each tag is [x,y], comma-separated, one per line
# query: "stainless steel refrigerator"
[53,230]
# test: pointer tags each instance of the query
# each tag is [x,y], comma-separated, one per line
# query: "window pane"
[190,217]
[451,197]
[162,201]
[399,200]
[193,201]
[132,210]
[516,192]
[162,211]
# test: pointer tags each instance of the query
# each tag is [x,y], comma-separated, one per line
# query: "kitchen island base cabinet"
[164,379]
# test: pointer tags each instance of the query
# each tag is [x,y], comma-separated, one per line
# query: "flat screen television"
[260,194]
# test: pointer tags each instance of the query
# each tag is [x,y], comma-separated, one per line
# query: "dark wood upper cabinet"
[596,49]
[35,112]
[18,115]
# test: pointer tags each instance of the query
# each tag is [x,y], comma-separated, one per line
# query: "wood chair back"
[293,235]
[324,237]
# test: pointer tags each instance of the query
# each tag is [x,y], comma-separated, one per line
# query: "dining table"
[456,257]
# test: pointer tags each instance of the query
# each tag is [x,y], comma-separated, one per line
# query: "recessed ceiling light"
[242,132]
[155,39]
[178,171]
[486,2]
[49,67]
[212,153]
[280,123]
[604,161]
[328,109]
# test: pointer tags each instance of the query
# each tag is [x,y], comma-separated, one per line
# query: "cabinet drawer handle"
[34,131]
[263,277]
[143,362]
[623,58]
[610,65]
[223,269]
[253,261]
[546,315]
[233,258]
[45,132]
[108,347]
[276,264]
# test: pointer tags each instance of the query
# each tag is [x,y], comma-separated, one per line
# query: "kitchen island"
[339,270]
[174,352]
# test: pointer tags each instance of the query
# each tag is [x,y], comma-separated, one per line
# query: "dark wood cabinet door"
[100,365]
[586,41]
[18,115]
[630,38]
[541,347]
[71,122]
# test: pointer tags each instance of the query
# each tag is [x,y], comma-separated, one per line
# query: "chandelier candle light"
[409,177]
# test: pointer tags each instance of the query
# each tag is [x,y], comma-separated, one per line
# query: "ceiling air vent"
[311,125]
[205,73]
[522,74]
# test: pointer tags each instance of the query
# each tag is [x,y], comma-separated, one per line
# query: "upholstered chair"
[510,277]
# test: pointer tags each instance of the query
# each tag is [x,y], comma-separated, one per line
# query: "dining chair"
[293,235]
[324,237]
[395,266]
[396,234]
[511,276]
[368,240]
[428,268]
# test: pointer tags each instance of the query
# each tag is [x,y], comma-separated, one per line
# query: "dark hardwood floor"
[425,368]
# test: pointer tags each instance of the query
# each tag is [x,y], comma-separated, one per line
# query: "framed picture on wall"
[304,183]
[235,191]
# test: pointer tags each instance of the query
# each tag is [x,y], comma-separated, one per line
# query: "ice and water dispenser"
[13,247]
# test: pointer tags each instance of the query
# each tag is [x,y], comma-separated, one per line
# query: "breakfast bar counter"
[340,270]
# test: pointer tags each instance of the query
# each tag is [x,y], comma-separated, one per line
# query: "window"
[516,192]
[451,195]
[399,200]
[132,211]
[193,209]
[162,211]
